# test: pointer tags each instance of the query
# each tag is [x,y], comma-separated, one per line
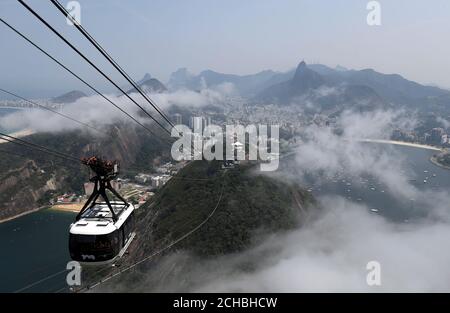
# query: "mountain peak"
[302,68]
[305,78]
[146,77]
[69,97]
[181,73]
[150,85]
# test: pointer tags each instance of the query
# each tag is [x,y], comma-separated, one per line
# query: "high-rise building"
[208,121]
[177,119]
[436,135]
[196,123]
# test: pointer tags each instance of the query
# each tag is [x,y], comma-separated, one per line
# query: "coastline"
[76,207]
[68,207]
[403,143]
[435,162]
[19,134]
[23,214]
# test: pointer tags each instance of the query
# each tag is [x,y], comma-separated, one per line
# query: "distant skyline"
[237,37]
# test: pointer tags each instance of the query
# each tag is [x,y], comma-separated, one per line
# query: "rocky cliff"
[29,178]
[205,212]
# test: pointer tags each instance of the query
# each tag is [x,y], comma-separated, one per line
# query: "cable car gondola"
[102,230]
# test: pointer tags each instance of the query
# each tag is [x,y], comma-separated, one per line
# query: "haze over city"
[233,37]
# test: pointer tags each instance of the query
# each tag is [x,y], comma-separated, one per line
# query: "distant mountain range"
[323,84]
[392,87]
[246,84]
[69,97]
[316,93]
[303,81]
[149,85]
[314,86]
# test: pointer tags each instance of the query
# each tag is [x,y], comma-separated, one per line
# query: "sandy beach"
[68,207]
[402,143]
[19,134]
[23,214]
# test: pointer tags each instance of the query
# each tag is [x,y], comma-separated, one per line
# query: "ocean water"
[35,246]
[377,197]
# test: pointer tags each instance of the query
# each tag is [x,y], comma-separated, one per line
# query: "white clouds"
[96,111]
[226,88]
[325,91]
[331,252]
[192,99]
[445,123]
[327,154]
[374,124]
[331,255]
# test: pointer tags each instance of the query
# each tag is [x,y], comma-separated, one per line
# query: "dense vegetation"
[443,158]
[250,203]
[30,178]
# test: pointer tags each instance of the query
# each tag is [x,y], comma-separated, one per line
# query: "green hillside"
[250,203]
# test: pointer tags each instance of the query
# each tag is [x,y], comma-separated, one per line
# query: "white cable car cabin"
[102,230]
[95,237]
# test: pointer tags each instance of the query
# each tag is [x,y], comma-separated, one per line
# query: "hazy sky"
[232,36]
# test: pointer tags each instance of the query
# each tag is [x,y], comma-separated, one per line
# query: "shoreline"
[67,207]
[403,143]
[23,214]
[76,207]
[19,134]
[435,162]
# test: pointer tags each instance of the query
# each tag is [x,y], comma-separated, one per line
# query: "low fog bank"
[97,112]
[331,252]
[328,254]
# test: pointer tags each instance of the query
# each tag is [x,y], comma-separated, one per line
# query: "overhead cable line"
[146,258]
[40,281]
[77,76]
[27,157]
[53,111]
[16,140]
[13,153]
[92,40]
[90,62]
[133,265]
